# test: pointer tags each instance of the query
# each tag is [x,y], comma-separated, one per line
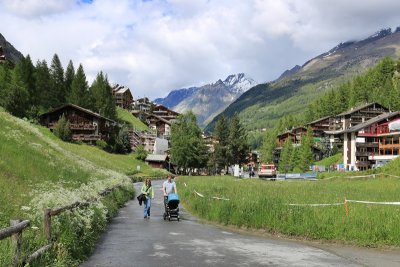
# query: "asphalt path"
[132,240]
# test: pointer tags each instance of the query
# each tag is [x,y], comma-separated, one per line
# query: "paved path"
[134,241]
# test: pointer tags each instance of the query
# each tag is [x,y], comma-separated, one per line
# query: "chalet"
[373,142]
[142,105]
[165,113]
[85,125]
[351,118]
[320,126]
[2,55]
[157,161]
[294,134]
[122,96]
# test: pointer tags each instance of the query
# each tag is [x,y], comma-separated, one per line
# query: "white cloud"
[157,46]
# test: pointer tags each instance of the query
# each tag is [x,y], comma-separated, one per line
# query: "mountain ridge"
[261,106]
[208,100]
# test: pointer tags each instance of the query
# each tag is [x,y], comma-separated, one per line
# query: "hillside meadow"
[260,204]
[37,171]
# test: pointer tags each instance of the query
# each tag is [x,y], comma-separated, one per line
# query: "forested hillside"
[379,84]
[262,106]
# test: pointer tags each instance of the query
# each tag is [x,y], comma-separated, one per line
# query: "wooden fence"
[17,226]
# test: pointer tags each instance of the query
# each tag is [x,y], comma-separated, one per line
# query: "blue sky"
[156,46]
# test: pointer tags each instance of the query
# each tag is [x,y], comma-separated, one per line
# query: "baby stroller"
[172,207]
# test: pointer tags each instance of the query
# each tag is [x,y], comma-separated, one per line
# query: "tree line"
[379,84]
[189,151]
[28,90]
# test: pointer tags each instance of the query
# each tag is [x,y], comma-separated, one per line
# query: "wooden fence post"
[47,224]
[17,241]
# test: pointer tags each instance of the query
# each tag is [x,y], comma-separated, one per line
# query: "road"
[133,241]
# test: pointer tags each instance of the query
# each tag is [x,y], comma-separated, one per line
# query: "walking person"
[148,191]
[168,187]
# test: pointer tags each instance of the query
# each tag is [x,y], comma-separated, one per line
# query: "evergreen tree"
[5,81]
[79,89]
[16,97]
[305,151]
[285,160]
[68,78]
[221,134]
[101,97]
[237,139]
[42,86]
[57,82]
[268,146]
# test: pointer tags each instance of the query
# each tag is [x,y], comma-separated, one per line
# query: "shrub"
[141,153]
[101,144]
[62,129]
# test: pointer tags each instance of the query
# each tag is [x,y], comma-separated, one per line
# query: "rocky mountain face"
[209,100]
[261,106]
[9,51]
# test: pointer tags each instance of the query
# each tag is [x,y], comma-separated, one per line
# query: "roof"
[159,118]
[359,108]
[376,119]
[318,120]
[156,158]
[79,108]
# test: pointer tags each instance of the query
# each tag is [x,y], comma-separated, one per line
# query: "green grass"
[261,204]
[37,170]
[126,116]
[335,159]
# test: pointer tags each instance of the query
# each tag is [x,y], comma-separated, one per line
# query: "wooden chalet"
[142,105]
[372,143]
[165,113]
[85,125]
[159,124]
[122,96]
[157,161]
[320,126]
[294,134]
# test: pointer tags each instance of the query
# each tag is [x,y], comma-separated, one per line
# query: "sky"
[156,46]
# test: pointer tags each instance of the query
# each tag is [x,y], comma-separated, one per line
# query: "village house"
[85,125]
[350,118]
[158,161]
[372,143]
[122,96]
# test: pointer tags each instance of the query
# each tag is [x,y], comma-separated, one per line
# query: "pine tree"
[305,154]
[16,97]
[221,134]
[42,86]
[285,160]
[101,97]
[238,148]
[57,82]
[79,89]
[68,78]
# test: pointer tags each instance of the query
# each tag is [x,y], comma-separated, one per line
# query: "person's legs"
[146,201]
[148,207]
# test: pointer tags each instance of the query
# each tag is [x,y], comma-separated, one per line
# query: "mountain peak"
[239,83]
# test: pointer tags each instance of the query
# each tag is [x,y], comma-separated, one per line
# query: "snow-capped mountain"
[209,100]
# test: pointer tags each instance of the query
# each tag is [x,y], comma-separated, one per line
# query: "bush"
[101,144]
[62,129]
[141,153]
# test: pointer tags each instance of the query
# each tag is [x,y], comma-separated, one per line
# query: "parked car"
[267,171]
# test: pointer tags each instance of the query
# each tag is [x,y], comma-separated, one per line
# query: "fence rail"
[18,226]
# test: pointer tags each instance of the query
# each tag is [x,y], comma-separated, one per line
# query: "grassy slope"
[264,205]
[335,159]
[33,162]
[126,116]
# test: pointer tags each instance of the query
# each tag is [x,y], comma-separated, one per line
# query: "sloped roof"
[156,158]
[384,116]
[318,120]
[359,108]
[79,108]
